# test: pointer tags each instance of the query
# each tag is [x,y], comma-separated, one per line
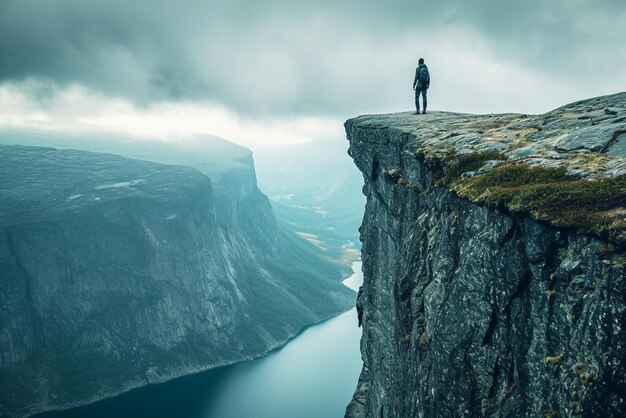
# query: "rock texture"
[118,272]
[474,305]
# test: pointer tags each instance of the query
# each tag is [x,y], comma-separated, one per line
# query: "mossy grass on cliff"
[596,207]
[457,165]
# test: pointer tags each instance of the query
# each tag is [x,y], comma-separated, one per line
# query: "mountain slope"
[119,272]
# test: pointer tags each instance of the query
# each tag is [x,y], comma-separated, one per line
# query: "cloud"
[76,110]
[325,58]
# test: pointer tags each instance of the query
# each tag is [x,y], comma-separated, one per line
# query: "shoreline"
[184,372]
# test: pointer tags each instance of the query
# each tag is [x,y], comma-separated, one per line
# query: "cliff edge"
[493,261]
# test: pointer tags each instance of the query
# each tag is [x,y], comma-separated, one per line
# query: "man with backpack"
[421,84]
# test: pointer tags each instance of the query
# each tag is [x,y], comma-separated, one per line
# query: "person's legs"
[417,99]
[424,99]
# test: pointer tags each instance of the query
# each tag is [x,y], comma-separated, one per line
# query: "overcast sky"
[259,72]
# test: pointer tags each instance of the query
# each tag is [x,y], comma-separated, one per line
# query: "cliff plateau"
[494,263]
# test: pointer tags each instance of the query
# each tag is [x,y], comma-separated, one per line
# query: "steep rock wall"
[117,272]
[476,309]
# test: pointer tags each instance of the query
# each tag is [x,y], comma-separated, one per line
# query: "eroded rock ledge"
[493,250]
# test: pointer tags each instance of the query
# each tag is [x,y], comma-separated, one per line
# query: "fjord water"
[313,375]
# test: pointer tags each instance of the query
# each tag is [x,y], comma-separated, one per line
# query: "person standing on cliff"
[421,82]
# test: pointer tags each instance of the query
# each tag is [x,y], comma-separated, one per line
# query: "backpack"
[424,76]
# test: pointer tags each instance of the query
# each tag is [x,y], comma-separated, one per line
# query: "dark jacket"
[416,81]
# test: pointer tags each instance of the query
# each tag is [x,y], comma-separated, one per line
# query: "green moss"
[580,369]
[414,186]
[587,377]
[551,414]
[595,207]
[606,249]
[456,165]
[554,359]
[424,340]
[395,174]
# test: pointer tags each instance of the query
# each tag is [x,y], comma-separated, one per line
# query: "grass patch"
[457,165]
[395,174]
[592,162]
[596,207]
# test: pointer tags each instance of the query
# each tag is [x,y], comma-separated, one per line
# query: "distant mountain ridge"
[212,155]
[117,272]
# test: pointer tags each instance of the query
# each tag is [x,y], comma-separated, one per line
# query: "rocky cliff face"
[118,272]
[493,259]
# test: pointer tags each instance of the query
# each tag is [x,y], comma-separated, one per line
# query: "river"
[312,376]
